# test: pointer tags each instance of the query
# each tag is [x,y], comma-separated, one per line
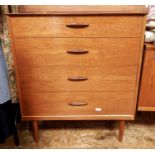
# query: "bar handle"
[77,25]
[77,103]
[77,78]
[77,51]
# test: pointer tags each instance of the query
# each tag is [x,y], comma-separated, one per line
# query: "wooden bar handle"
[77,25]
[77,51]
[77,103]
[77,78]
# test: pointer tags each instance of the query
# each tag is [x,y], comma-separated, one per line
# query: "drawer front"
[78,26]
[77,103]
[45,79]
[77,51]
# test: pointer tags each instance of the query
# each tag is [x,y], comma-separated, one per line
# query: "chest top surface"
[81,9]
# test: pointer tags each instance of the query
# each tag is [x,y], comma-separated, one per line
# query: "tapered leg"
[35,130]
[121,130]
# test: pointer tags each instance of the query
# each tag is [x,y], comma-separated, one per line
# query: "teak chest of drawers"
[78,65]
[146,100]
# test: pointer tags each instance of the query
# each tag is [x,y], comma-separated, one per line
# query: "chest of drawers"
[146,100]
[73,65]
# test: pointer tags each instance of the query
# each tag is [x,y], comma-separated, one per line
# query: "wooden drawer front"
[96,51]
[58,103]
[99,26]
[41,79]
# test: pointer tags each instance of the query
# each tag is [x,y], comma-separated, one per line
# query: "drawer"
[77,103]
[45,79]
[78,26]
[77,51]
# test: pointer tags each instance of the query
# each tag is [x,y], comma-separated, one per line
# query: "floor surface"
[88,134]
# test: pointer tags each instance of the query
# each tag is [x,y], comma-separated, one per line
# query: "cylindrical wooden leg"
[121,130]
[35,130]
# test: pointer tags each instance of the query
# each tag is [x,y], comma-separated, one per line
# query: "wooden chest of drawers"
[146,100]
[78,66]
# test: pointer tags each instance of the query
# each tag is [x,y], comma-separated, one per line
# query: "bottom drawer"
[77,103]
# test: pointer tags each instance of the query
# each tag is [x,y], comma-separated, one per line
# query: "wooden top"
[81,9]
[150,46]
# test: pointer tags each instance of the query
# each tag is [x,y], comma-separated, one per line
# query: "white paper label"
[98,109]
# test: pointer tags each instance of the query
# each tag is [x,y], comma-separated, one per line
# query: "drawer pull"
[77,25]
[77,51]
[77,78]
[77,103]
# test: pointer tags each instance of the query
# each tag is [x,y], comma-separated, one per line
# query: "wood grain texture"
[53,51]
[43,69]
[79,117]
[111,9]
[142,108]
[147,88]
[45,79]
[141,54]
[99,26]
[57,103]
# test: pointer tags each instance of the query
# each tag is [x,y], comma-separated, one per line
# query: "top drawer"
[78,26]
